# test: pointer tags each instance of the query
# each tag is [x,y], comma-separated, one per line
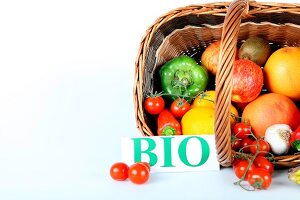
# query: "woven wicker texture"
[189,29]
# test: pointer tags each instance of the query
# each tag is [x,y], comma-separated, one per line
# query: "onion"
[278,136]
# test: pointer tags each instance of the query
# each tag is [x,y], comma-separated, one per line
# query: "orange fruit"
[270,109]
[282,72]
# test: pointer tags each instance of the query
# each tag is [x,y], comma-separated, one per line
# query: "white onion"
[278,136]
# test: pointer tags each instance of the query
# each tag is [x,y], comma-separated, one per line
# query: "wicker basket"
[189,29]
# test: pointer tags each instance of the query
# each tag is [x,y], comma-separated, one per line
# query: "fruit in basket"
[210,57]
[183,77]
[236,143]
[167,124]
[260,146]
[255,49]
[245,144]
[263,162]
[282,72]
[269,109]
[247,81]
[207,99]
[179,107]
[198,121]
[241,130]
[154,104]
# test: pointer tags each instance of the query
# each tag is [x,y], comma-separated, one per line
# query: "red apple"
[247,81]
[210,57]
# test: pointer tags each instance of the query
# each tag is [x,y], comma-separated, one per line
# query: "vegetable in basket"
[154,104]
[278,136]
[179,107]
[183,77]
[295,139]
[167,124]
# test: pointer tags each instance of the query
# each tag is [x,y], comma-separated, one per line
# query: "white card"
[172,153]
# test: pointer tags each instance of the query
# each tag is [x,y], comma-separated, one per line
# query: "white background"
[66,80]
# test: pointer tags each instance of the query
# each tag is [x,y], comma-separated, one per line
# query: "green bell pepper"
[183,77]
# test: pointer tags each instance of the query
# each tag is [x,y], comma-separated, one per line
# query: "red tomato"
[246,142]
[264,163]
[138,173]
[179,107]
[119,171]
[259,178]
[236,144]
[263,147]
[146,164]
[154,105]
[241,130]
[241,167]
[235,162]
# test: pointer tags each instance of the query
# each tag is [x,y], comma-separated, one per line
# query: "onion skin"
[278,136]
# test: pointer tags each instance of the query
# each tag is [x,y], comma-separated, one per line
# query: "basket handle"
[224,79]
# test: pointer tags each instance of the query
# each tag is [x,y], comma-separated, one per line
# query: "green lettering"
[167,152]
[138,150]
[204,148]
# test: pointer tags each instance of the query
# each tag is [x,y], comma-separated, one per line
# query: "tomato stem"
[244,186]
[155,94]
[251,160]
[257,184]
[241,149]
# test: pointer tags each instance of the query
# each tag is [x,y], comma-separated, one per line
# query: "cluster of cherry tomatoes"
[251,162]
[137,173]
[156,104]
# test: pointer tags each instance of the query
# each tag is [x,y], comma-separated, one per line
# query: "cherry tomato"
[246,142]
[263,162]
[241,167]
[154,105]
[236,161]
[259,178]
[119,171]
[263,147]
[146,164]
[241,130]
[179,107]
[236,144]
[138,173]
